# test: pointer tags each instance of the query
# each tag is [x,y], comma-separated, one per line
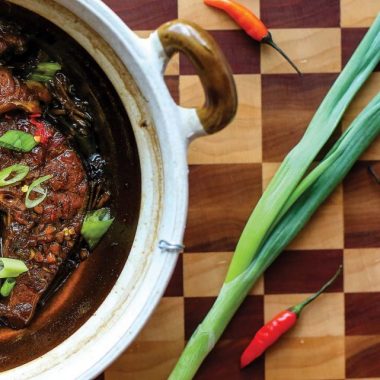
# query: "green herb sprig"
[7,286]
[96,224]
[13,174]
[18,140]
[11,267]
[45,71]
[35,187]
[9,270]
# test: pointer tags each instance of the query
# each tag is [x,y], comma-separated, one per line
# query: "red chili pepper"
[250,23]
[278,326]
[40,130]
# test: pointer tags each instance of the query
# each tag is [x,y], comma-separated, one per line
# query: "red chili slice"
[40,130]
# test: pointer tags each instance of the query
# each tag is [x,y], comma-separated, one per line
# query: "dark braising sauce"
[83,140]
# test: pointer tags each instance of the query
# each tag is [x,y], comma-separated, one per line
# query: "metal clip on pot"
[211,66]
[170,247]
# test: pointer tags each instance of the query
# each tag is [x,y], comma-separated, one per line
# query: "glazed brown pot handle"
[211,66]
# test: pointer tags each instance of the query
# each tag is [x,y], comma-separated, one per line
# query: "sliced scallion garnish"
[7,286]
[18,140]
[35,187]
[11,267]
[45,71]
[96,224]
[12,174]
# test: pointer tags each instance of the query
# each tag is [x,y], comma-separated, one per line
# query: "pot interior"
[90,283]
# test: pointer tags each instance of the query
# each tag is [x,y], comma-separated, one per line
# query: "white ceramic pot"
[163,131]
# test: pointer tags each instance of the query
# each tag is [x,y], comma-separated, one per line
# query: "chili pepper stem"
[269,41]
[298,308]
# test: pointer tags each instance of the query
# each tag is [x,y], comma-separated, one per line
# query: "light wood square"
[211,18]
[325,230]
[358,13]
[204,274]
[362,270]
[239,142]
[306,358]
[323,317]
[146,361]
[166,323]
[312,50]
[364,96]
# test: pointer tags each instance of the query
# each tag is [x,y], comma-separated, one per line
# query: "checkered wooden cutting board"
[338,336]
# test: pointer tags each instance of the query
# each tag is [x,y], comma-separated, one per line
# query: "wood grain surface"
[338,336]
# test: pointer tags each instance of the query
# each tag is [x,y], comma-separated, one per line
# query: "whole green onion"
[18,140]
[350,146]
[297,162]
[35,186]
[11,267]
[362,132]
[290,199]
[13,174]
[96,224]
[7,286]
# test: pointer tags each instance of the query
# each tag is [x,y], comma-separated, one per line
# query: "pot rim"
[162,151]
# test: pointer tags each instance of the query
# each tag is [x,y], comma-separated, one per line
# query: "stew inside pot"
[64,134]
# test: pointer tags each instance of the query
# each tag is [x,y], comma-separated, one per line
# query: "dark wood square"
[221,198]
[244,324]
[362,357]
[280,13]
[223,363]
[362,313]
[242,53]
[351,38]
[175,286]
[144,14]
[303,272]
[288,104]
[361,208]
[172,81]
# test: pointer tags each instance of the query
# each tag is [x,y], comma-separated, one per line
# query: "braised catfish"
[45,213]
[42,236]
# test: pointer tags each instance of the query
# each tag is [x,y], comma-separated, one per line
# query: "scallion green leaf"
[35,186]
[95,225]
[45,71]
[18,140]
[13,174]
[7,286]
[11,267]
